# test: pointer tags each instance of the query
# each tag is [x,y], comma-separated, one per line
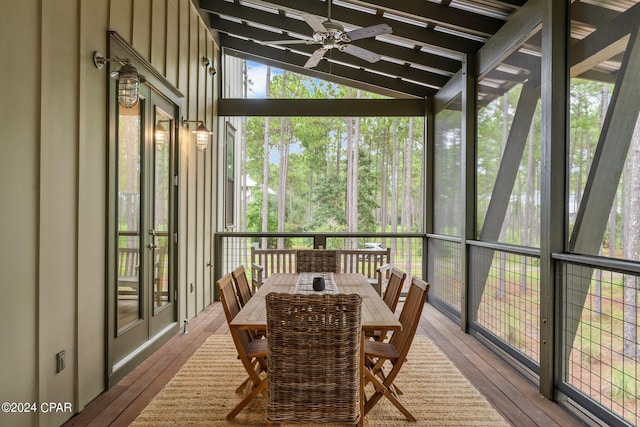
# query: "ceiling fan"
[331,35]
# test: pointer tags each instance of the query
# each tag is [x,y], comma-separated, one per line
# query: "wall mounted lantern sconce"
[206,63]
[202,134]
[160,136]
[127,77]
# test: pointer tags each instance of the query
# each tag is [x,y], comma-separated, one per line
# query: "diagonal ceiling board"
[447,66]
[419,35]
[592,15]
[599,76]
[503,75]
[516,3]
[408,73]
[416,9]
[332,72]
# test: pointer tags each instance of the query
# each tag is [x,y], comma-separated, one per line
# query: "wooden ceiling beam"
[321,107]
[342,74]
[447,65]
[447,16]
[418,35]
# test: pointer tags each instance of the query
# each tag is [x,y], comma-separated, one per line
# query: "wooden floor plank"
[499,377]
[455,350]
[513,395]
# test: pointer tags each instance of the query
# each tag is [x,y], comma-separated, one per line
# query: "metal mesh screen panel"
[444,273]
[236,250]
[406,253]
[506,291]
[600,337]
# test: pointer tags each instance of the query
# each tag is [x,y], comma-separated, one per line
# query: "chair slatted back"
[265,262]
[128,263]
[392,296]
[161,275]
[250,352]
[275,260]
[395,351]
[409,318]
[317,260]
[394,288]
[363,261]
[314,358]
[231,307]
[242,285]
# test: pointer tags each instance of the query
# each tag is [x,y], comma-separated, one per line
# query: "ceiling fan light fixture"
[330,34]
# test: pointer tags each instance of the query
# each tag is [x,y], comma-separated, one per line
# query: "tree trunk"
[384,168]
[597,297]
[350,216]
[406,199]
[529,220]
[505,137]
[631,226]
[283,162]
[243,169]
[394,184]
[265,167]
[353,137]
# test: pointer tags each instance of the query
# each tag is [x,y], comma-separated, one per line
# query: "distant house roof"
[250,184]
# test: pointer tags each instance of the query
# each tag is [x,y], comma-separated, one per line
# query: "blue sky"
[257,73]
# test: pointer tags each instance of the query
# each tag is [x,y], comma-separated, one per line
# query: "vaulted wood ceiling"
[425,49]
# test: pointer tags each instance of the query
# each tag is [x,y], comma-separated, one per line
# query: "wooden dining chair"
[242,285]
[252,352]
[314,358]
[243,292]
[395,351]
[391,297]
[317,260]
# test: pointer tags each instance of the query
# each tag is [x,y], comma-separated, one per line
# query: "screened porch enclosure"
[530,229]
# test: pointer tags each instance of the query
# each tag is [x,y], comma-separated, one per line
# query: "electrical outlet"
[61,361]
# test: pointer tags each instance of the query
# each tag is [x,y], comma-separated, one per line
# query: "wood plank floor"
[514,396]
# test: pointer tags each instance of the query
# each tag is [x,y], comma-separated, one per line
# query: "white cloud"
[257,74]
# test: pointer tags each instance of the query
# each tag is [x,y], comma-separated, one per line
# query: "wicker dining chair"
[395,350]
[391,297]
[314,358]
[242,285]
[252,352]
[317,260]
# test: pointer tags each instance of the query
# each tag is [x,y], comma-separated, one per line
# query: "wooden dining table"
[375,313]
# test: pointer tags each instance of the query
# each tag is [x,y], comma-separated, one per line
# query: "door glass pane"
[128,292]
[161,190]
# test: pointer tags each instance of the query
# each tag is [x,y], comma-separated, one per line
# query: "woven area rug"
[203,392]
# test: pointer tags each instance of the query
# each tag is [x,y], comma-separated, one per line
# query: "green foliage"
[254,215]
[316,165]
[328,213]
[367,186]
[511,321]
[625,382]
[590,337]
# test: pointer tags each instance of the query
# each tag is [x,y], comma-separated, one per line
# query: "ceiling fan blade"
[314,22]
[361,53]
[315,58]
[374,30]
[288,42]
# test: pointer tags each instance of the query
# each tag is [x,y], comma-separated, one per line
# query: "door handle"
[153,246]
